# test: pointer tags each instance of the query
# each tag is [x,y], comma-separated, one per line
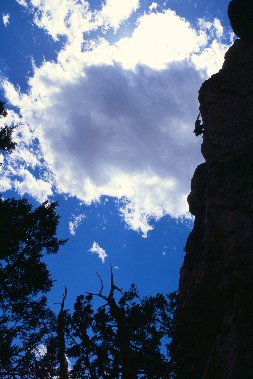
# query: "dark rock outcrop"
[214,319]
[240,13]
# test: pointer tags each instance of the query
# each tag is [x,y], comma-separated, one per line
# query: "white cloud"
[219,28]
[153,41]
[124,134]
[71,18]
[153,6]
[115,11]
[19,166]
[215,27]
[28,184]
[6,19]
[96,249]
[22,3]
[120,114]
[75,222]
[67,18]
[211,59]
[153,44]
[5,183]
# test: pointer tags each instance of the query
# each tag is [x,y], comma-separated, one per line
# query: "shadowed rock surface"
[214,319]
[240,13]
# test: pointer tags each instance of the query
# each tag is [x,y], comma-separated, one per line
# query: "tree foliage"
[126,337]
[26,235]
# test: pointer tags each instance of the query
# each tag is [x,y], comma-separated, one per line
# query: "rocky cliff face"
[214,319]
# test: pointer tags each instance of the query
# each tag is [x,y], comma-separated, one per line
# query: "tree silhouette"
[126,337]
[26,235]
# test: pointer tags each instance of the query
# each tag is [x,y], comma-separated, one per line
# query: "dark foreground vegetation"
[125,337]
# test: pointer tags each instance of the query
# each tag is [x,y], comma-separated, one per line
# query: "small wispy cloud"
[6,19]
[153,6]
[22,3]
[96,249]
[75,222]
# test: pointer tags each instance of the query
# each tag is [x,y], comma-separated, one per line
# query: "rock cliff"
[214,319]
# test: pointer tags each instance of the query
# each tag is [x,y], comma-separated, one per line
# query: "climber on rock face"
[199,128]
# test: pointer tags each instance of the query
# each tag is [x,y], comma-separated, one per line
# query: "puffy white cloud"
[117,119]
[115,11]
[210,60]
[153,44]
[71,18]
[75,222]
[124,134]
[96,249]
[67,18]
[6,19]
[28,184]
[153,41]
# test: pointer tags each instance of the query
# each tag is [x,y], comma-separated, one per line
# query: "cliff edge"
[214,318]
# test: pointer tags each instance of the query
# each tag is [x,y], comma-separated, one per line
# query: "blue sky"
[104,95]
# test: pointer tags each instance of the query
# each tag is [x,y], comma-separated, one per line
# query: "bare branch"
[99,294]
[102,284]
[63,364]
[113,286]
[110,297]
[63,299]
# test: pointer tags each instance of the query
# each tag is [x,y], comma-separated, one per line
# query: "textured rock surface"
[214,320]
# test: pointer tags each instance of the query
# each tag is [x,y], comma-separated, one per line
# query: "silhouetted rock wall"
[214,320]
